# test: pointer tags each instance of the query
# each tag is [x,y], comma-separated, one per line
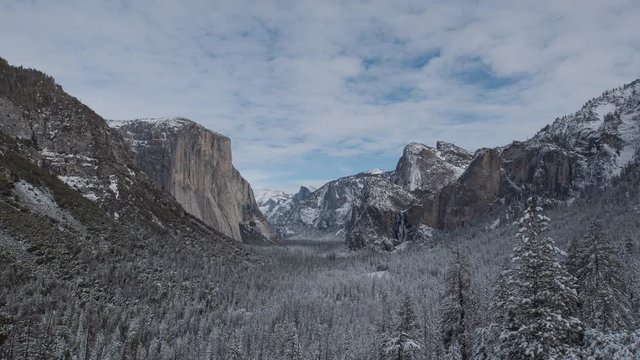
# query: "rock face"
[577,151]
[424,168]
[61,161]
[194,165]
[446,186]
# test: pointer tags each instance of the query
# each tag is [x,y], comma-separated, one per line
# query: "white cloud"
[294,81]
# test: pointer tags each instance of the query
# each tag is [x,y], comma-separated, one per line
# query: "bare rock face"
[477,188]
[194,165]
[422,167]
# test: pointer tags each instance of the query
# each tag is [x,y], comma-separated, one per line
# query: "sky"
[309,91]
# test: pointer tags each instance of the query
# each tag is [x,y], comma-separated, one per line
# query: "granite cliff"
[195,166]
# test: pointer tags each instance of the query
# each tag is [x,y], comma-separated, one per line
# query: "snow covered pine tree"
[543,300]
[403,343]
[458,308]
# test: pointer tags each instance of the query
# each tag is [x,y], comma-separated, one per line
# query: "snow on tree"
[487,338]
[234,350]
[402,344]
[600,346]
[604,304]
[542,298]
[458,308]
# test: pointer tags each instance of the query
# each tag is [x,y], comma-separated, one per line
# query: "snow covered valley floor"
[320,300]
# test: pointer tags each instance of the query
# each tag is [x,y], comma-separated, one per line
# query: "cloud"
[321,89]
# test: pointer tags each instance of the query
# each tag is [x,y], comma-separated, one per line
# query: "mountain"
[83,231]
[270,200]
[446,186]
[338,207]
[194,165]
[579,151]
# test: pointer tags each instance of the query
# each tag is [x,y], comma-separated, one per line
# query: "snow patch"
[42,201]
[375,171]
[113,185]
[309,215]
[603,109]
[378,274]
[86,186]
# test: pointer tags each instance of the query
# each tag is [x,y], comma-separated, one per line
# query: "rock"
[424,168]
[446,186]
[79,172]
[194,165]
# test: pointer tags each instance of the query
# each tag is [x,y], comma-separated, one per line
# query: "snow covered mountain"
[604,133]
[446,186]
[270,200]
[370,200]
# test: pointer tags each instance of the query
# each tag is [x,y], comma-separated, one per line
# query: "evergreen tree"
[604,305]
[458,308]
[542,297]
[234,350]
[292,350]
[403,343]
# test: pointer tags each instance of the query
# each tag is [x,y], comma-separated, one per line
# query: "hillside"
[88,244]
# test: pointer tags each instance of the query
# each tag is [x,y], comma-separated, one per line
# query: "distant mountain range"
[441,187]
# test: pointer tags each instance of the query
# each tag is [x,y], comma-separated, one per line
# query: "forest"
[542,280]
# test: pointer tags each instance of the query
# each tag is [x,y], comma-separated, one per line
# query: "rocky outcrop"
[424,168]
[195,166]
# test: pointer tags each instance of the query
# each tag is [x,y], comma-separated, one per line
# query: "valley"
[139,239]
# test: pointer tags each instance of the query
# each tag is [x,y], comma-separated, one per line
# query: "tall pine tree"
[458,308]
[604,305]
[402,344]
[542,299]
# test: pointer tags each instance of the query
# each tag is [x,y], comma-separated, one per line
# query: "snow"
[86,185]
[494,224]
[58,158]
[264,195]
[375,171]
[42,202]
[309,215]
[171,122]
[113,185]
[378,274]
[415,178]
[603,109]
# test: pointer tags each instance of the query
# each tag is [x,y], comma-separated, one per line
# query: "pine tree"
[234,350]
[458,308]
[292,350]
[600,278]
[403,343]
[487,338]
[542,297]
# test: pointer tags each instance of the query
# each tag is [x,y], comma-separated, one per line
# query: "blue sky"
[310,91]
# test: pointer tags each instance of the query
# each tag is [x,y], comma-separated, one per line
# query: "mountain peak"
[426,168]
